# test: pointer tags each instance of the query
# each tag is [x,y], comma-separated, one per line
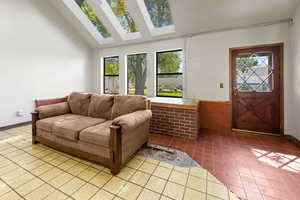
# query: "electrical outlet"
[20,113]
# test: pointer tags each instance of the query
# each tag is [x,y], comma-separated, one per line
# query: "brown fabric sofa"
[101,128]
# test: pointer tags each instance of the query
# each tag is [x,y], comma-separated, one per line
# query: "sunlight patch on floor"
[278,160]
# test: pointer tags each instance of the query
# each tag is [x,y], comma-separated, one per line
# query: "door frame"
[281,92]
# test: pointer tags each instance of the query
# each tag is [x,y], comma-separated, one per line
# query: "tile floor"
[253,167]
[37,172]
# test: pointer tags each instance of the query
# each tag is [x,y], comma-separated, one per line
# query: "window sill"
[170,102]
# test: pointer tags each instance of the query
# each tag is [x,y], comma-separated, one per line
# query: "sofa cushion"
[47,123]
[79,103]
[124,104]
[133,120]
[53,110]
[70,129]
[101,106]
[98,135]
[77,145]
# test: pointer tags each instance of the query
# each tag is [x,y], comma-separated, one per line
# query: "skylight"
[157,16]
[88,11]
[120,9]
[160,12]
[153,17]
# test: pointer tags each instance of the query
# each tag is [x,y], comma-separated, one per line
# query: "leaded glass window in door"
[254,72]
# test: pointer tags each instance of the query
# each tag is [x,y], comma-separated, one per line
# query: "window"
[111,75]
[169,70]
[120,9]
[254,72]
[160,12]
[88,11]
[137,74]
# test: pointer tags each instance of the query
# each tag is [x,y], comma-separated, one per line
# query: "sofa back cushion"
[79,103]
[101,106]
[124,104]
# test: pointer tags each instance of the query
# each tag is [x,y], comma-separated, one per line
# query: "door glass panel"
[254,72]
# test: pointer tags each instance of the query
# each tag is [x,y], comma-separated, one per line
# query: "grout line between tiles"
[36,177]
[14,143]
[70,173]
[12,189]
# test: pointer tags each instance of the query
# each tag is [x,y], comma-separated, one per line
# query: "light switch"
[221,85]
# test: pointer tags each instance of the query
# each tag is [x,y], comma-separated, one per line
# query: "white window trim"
[106,9]
[153,30]
[83,19]
[151,71]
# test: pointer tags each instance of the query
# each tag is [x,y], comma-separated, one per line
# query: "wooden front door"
[257,88]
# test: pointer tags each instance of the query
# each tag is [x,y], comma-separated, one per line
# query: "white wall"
[40,57]
[207,57]
[207,61]
[294,129]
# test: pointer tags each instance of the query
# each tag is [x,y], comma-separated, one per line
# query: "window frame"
[127,81]
[150,16]
[104,76]
[126,9]
[157,73]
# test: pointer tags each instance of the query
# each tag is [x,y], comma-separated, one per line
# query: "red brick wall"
[174,121]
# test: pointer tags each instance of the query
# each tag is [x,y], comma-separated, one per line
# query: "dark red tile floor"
[254,167]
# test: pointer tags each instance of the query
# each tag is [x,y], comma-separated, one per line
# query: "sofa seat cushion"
[70,129]
[47,123]
[98,135]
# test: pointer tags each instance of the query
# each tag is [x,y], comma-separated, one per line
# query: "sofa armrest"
[44,102]
[53,110]
[116,149]
[133,120]
[128,133]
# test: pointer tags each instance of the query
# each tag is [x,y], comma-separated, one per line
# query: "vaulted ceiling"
[188,17]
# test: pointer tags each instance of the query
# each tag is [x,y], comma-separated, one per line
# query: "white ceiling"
[197,16]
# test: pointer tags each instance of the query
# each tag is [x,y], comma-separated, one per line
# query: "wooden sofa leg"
[145,144]
[116,149]
[34,141]
[35,118]
[114,171]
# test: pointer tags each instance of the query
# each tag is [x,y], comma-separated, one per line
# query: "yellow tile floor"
[38,172]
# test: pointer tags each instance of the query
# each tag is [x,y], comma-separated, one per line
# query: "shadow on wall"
[294,97]
[54,17]
[47,9]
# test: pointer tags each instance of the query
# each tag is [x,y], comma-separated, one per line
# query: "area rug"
[171,156]
[156,173]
